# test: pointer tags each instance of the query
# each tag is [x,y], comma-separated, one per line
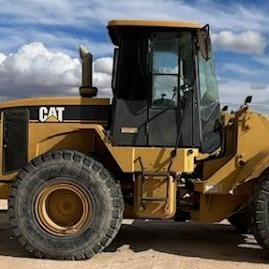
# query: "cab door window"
[165,71]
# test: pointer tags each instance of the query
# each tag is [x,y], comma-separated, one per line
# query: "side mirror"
[225,108]
[248,100]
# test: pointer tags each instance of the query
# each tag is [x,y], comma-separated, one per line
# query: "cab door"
[171,112]
[162,113]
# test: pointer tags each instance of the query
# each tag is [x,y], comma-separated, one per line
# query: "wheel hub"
[63,208]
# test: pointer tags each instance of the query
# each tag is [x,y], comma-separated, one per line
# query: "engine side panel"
[15,139]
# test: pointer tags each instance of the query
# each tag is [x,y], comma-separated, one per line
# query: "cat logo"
[51,114]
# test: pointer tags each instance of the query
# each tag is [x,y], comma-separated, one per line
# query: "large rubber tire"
[261,211]
[242,220]
[68,181]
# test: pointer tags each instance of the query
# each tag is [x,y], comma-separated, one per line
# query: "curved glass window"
[209,96]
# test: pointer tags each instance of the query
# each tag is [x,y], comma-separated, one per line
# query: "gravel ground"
[152,245]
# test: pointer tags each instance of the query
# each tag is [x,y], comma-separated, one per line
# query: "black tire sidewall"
[261,211]
[93,180]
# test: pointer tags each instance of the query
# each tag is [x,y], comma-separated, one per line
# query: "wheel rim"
[63,209]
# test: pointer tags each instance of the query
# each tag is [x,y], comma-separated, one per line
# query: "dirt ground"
[152,245]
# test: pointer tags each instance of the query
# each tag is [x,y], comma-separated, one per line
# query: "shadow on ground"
[207,241]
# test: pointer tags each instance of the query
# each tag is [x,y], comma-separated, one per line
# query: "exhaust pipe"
[86,89]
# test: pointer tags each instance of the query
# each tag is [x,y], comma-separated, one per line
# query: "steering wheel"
[164,102]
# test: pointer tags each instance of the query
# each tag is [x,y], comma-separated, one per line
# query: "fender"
[252,169]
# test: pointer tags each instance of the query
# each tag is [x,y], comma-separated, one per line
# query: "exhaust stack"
[86,89]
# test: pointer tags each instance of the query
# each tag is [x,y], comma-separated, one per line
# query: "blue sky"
[40,39]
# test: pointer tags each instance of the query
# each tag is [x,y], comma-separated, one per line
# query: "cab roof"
[154,23]
[114,26]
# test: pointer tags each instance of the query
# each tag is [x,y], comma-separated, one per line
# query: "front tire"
[261,211]
[65,205]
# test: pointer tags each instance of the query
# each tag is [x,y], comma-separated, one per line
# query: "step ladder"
[155,195]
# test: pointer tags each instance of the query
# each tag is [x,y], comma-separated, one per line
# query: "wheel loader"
[161,148]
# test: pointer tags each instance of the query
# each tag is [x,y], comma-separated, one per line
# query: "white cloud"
[240,69]
[235,92]
[246,42]
[90,13]
[34,71]
[103,65]
[102,76]
[103,82]
[13,38]
[2,58]
[69,44]
[87,16]
[263,60]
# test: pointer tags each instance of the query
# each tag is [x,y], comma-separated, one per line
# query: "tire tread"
[103,175]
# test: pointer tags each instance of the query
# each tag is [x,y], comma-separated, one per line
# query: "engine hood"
[61,109]
[54,101]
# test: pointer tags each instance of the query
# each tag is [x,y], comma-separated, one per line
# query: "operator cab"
[164,85]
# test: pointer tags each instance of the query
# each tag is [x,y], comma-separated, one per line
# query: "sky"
[39,43]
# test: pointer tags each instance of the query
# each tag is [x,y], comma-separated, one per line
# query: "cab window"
[165,70]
